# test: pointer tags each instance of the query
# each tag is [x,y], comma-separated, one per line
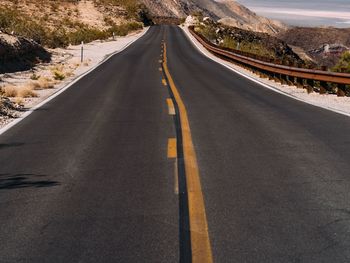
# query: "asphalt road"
[86,178]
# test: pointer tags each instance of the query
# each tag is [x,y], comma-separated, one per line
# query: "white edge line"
[63,89]
[217,60]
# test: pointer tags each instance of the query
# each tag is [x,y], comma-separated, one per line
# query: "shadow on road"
[15,181]
[9,145]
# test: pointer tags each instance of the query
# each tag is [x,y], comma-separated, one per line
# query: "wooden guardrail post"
[341,90]
[309,85]
[323,87]
[299,82]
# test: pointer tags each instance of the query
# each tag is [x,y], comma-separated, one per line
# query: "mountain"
[241,17]
[227,12]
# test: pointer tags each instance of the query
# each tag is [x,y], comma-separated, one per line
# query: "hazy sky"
[301,12]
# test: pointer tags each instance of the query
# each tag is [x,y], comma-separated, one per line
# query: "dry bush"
[26,92]
[58,72]
[9,91]
[42,83]
[58,75]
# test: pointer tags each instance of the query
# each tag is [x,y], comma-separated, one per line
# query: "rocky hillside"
[64,22]
[228,12]
[242,17]
[260,44]
[324,45]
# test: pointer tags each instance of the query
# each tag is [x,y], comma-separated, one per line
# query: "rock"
[18,53]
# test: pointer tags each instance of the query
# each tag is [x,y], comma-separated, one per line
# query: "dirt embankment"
[19,53]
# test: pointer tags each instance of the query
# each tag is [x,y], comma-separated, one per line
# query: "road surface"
[88,176]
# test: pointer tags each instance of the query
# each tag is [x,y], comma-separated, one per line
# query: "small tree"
[343,63]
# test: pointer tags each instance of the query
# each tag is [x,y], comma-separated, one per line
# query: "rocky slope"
[60,23]
[260,44]
[323,45]
[228,12]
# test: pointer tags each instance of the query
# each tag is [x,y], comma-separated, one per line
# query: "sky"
[304,13]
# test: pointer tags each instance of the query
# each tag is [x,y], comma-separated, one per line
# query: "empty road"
[101,172]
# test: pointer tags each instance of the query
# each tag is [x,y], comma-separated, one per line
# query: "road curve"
[86,178]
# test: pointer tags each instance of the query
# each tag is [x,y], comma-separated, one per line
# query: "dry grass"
[26,92]
[9,91]
[12,91]
[42,83]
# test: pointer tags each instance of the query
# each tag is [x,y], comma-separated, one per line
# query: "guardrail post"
[284,79]
[323,87]
[309,85]
[299,82]
[341,90]
[289,82]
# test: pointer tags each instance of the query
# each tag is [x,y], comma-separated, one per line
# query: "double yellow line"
[200,242]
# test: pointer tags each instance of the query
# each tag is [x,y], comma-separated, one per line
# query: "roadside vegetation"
[343,64]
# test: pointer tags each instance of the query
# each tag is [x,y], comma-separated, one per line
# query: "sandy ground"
[66,62]
[327,101]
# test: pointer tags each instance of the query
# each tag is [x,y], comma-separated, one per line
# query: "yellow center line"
[172,150]
[200,242]
[171,107]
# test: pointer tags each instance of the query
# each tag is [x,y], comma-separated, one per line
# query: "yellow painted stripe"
[172,151]
[171,107]
[200,242]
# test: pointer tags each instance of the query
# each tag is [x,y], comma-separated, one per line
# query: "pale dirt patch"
[88,14]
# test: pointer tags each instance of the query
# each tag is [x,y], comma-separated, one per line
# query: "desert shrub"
[344,63]
[86,34]
[26,92]
[9,91]
[58,75]
[124,29]
[57,38]
[208,32]
[34,77]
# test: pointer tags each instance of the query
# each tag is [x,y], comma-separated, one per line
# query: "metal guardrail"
[286,74]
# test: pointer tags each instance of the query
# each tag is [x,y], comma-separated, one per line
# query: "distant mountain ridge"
[228,12]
